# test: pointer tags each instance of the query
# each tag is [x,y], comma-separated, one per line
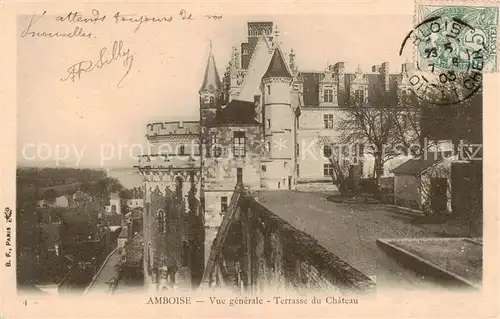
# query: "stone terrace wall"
[278,255]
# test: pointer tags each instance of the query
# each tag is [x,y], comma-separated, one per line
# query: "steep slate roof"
[259,62]
[312,79]
[277,67]
[416,166]
[237,112]
[211,80]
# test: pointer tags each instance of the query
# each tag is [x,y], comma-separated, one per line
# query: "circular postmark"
[449,58]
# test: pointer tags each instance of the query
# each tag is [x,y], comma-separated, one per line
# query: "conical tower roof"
[277,66]
[211,80]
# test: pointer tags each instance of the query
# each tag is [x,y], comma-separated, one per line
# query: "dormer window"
[328,95]
[359,96]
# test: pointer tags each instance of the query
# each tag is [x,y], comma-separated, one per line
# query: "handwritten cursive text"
[106,57]
[78,32]
[139,20]
[77,17]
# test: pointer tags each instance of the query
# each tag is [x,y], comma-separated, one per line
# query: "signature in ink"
[106,57]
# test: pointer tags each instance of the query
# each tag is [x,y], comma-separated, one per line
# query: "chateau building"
[258,123]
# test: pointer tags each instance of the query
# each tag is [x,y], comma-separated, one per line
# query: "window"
[196,150]
[297,149]
[268,90]
[285,164]
[327,170]
[161,221]
[359,96]
[181,150]
[298,170]
[215,148]
[264,168]
[223,204]
[297,122]
[239,144]
[268,123]
[328,95]
[327,151]
[328,119]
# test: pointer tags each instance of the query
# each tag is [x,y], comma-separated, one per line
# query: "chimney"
[339,70]
[384,72]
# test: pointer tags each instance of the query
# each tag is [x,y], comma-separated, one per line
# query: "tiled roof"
[211,80]
[237,112]
[277,67]
[311,87]
[416,166]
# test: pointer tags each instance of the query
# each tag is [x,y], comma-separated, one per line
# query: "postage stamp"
[452,46]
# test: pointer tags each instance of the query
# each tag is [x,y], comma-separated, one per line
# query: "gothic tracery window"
[161,221]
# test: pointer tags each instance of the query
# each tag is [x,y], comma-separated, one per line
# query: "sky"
[92,123]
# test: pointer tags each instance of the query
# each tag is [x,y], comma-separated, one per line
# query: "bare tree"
[374,128]
[340,159]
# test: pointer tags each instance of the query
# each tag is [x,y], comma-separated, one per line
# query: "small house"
[424,183]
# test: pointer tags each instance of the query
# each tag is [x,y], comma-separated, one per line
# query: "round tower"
[279,119]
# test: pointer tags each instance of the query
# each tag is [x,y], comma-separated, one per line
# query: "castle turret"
[210,92]
[279,122]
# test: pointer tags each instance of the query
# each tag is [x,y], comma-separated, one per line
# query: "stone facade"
[256,122]
[269,254]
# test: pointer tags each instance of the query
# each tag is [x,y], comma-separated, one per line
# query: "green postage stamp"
[457,34]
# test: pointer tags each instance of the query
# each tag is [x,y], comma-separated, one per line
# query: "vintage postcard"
[249,159]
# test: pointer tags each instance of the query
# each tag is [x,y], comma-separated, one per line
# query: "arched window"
[178,186]
[161,221]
